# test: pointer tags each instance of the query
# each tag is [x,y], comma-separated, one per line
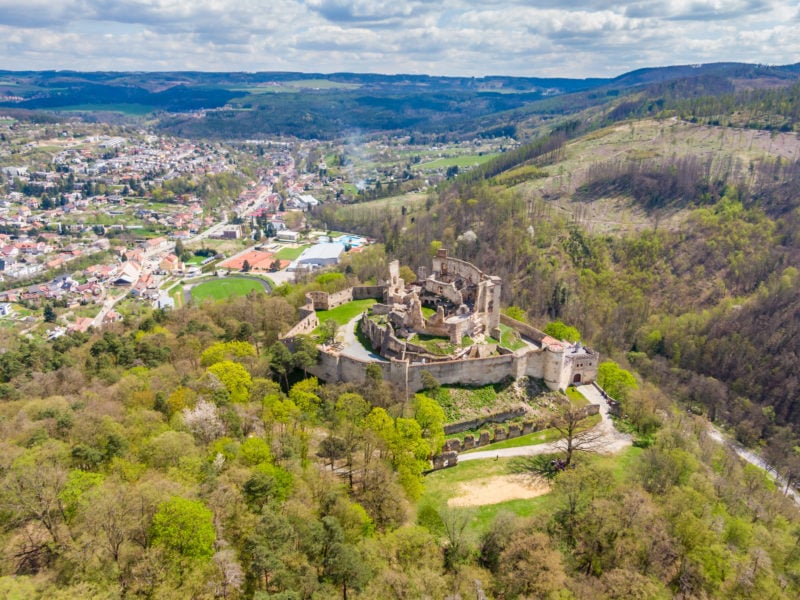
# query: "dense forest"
[333,106]
[185,455]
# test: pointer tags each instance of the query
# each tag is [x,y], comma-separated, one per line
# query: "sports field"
[221,288]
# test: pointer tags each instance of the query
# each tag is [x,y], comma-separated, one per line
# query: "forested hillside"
[661,237]
[184,455]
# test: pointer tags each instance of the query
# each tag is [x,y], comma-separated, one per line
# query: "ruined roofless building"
[467,316]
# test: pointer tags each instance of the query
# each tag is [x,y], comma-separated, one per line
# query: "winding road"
[754,459]
[612,441]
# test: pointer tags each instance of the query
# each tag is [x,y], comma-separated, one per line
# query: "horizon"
[386,74]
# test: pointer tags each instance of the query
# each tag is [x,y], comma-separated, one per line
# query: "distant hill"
[316,105]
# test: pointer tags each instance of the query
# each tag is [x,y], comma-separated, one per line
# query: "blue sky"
[570,38]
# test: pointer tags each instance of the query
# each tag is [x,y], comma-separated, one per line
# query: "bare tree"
[571,423]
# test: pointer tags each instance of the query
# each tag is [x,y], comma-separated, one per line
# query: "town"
[94,215]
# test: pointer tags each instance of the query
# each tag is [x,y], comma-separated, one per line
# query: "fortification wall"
[528,331]
[580,367]
[498,417]
[498,433]
[445,289]
[534,363]
[475,371]
[326,301]
[304,326]
[451,268]
[362,292]
[553,368]
[334,367]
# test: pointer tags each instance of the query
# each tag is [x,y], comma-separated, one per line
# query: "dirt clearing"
[501,488]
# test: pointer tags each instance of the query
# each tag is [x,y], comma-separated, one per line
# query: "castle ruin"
[459,342]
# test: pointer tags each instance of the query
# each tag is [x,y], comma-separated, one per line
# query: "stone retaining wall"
[499,433]
[498,417]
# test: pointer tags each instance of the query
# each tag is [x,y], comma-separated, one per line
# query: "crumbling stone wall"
[499,433]
[362,292]
[498,417]
[326,301]
[304,326]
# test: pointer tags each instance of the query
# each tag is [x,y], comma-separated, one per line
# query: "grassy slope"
[442,485]
[645,139]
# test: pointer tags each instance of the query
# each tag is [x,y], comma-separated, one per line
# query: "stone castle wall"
[549,364]
[528,331]
[554,362]
[327,301]
[308,321]
[362,292]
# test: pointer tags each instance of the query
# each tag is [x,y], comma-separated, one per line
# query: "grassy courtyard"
[346,312]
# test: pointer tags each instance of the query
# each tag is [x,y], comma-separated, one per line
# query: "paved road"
[611,441]
[215,228]
[754,459]
[108,304]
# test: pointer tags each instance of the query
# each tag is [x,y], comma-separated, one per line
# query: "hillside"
[659,236]
[182,454]
[335,106]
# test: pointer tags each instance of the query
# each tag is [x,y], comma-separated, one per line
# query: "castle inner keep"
[463,308]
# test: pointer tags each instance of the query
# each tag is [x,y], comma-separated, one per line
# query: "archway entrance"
[577,378]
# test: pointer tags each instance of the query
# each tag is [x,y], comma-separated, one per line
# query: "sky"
[530,38]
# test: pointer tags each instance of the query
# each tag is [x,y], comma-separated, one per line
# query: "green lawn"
[221,288]
[442,485]
[440,346]
[288,253]
[195,260]
[346,312]
[510,339]
[576,398]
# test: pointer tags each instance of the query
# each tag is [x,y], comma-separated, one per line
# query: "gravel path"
[610,442]
[352,347]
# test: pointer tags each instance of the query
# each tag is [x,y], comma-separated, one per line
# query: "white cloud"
[577,38]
